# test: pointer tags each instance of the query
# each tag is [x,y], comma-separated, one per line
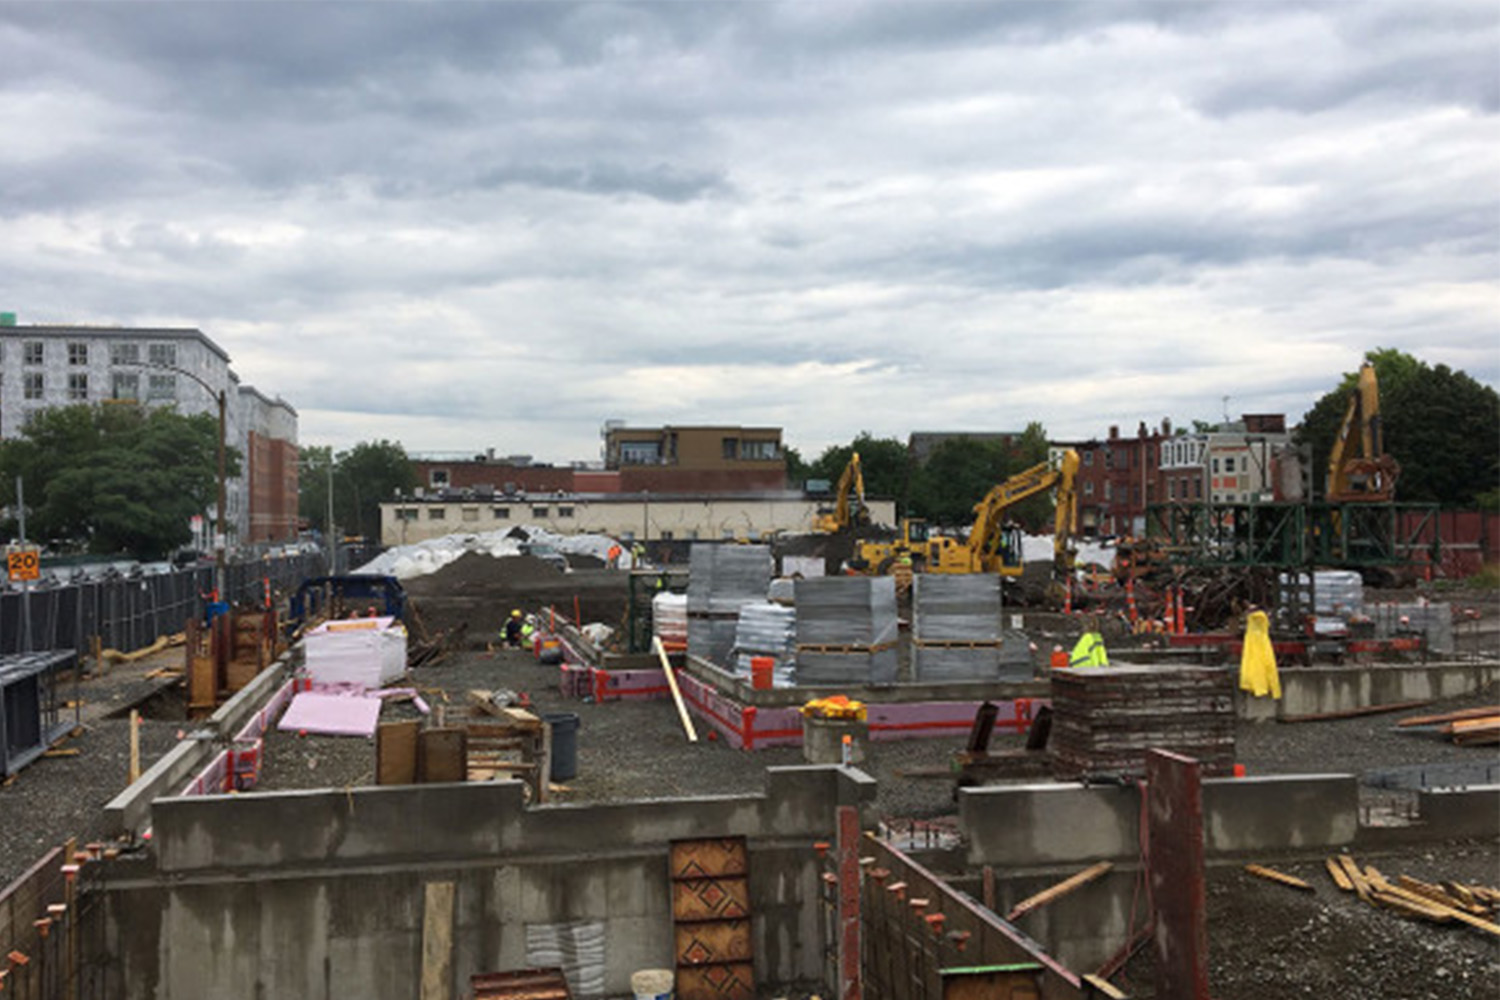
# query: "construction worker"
[513,626]
[528,631]
[615,552]
[1090,652]
[637,556]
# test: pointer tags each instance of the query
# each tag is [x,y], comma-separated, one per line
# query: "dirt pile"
[479,591]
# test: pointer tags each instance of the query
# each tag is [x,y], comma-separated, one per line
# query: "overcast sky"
[497,225]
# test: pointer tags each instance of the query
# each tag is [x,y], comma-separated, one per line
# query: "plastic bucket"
[564,745]
[652,984]
[762,672]
[1060,658]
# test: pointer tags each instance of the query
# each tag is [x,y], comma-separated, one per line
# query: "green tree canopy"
[962,470]
[1441,425]
[114,478]
[883,461]
[363,477]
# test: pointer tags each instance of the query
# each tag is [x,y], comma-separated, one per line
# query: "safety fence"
[52,930]
[129,612]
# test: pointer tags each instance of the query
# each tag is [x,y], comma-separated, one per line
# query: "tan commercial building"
[645,517]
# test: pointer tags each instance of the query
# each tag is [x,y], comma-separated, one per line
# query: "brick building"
[1118,478]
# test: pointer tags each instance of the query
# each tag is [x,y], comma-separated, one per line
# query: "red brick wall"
[527,478]
[271,468]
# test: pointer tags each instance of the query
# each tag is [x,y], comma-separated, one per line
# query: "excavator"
[1359,470]
[993,545]
[848,510]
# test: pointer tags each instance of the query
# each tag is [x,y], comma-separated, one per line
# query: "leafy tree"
[363,477]
[1441,425]
[883,461]
[962,470]
[796,467]
[115,479]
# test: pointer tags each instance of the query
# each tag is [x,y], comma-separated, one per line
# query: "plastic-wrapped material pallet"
[1104,719]
[1432,621]
[767,630]
[846,631]
[669,621]
[362,653]
[721,580]
[956,627]
[1335,591]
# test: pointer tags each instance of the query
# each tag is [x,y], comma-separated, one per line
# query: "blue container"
[216,608]
[564,745]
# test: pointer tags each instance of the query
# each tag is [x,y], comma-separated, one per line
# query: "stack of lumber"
[846,631]
[721,580]
[1449,902]
[1104,719]
[1467,727]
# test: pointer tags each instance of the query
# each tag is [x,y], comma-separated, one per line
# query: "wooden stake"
[1060,889]
[135,746]
[682,713]
[437,942]
[1260,871]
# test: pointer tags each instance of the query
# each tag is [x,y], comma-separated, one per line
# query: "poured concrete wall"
[320,894]
[1319,690]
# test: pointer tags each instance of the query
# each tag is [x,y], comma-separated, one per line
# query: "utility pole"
[222,535]
[333,541]
[25,584]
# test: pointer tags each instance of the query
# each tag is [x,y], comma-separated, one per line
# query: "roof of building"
[250,390]
[117,332]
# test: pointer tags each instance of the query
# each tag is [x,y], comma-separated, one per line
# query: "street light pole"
[222,534]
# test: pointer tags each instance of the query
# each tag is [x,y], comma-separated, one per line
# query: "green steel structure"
[1294,535]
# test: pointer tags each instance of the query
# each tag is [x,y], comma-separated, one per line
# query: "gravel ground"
[1268,942]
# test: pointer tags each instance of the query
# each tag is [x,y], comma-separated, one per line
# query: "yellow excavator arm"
[849,503]
[987,538]
[1358,467]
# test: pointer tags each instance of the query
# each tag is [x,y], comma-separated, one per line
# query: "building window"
[1171,489]
[32,385]
[564,511]
[78,354]
[1109,487]
[126,385]
[1088,488]
[162,387]
[438,479]
[1229,464]
[539,512]
[731,448]
[1088,458]
[31,352]
[124,354]
[437,513]
[759,451]
[471,513]
[1198,489]
[1109,459]
[501,513]
[640,453]
[666,536]
[406,513]
[78,387]
[162,354]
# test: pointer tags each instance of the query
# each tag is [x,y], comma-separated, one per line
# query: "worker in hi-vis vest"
[1089,652]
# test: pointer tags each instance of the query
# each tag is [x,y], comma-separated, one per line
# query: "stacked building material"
[767,629]
[669,621]
[1434,622]
[956,627]
[1104,719]
[721,580]
[846,631]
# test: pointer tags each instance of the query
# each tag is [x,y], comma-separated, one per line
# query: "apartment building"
[43,366]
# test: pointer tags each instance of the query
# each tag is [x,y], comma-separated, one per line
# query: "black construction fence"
[127,612]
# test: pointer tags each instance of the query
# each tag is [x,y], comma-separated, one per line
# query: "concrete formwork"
[320,894]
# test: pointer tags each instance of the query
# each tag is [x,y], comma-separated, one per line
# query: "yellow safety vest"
[1089,652]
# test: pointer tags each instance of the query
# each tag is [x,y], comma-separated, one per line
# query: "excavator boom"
[1358,467]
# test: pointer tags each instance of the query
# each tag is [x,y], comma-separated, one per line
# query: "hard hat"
[516,613]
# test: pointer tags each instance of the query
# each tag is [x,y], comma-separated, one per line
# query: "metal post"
[25,584]
[333,544]
[848,844]
[223,534]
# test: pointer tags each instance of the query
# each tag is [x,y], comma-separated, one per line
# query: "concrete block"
[1042,824]
[1453,814]
[1283,812]
[130,811]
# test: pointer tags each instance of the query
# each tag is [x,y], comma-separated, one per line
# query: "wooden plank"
[1337,873]
[712,942]
[711,898]
[1062,888]
[1438,894]
[1410,907]
[437,942]
[682,713]
[396,752]
[1466,713]
[688,859]
[1356,877]
[441,755]
[1271,874]
[1354,713]
[735,981]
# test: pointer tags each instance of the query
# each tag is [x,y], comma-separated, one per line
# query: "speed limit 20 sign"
[24,564]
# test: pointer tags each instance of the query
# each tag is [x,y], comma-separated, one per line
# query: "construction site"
[1250,755]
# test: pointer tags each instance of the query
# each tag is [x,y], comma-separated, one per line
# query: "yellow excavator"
[848,509]
[993,545]
[1359,470]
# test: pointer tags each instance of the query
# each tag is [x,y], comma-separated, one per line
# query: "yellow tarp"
[835,707]
[1258,661]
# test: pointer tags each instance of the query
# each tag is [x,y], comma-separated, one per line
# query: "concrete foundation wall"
[321,894]
[1318,690]
[1038,825]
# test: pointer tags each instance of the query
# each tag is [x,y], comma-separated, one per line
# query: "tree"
[115,479]
[796,467]
[962,470]
[883,461]
[1441,425]
[363,477]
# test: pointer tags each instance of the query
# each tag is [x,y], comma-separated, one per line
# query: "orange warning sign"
[24,564]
